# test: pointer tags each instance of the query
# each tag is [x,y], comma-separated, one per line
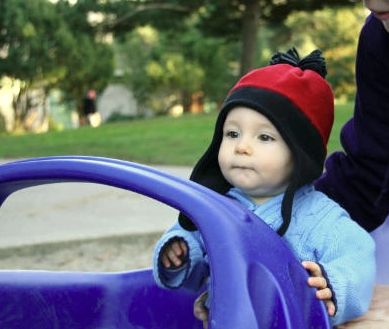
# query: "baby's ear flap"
[186,223]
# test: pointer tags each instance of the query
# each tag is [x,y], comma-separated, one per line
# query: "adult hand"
[380,9]
[386,25]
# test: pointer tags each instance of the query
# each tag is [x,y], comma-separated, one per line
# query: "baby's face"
[380,9]
[253,156]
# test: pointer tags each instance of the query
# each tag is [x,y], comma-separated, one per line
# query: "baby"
[268,148]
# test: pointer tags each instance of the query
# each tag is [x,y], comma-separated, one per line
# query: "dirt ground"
[111,254]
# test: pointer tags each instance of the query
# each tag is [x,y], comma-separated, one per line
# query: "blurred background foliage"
[172,52]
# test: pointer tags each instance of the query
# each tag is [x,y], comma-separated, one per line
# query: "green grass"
[343,112]
[160,140]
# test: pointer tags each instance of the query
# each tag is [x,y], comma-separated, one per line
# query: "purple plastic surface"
[257,282]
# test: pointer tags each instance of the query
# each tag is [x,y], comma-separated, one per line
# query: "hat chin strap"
[286,209]
[304,172]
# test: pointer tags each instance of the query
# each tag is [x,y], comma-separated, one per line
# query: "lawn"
[159,140]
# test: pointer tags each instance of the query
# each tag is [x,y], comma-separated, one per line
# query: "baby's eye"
[232,134]
[266,138]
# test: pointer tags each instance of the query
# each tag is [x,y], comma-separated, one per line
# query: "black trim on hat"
[298,132]
[293,125]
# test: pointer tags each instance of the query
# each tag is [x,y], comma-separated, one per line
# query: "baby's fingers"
[199,309]
[324,294]
[330,307]
[317,282]
[313,268]
[184,247]
[173,257]
[180,248]
[165,260]
[174,253]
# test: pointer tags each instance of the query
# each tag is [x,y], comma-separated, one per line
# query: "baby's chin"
[262,194]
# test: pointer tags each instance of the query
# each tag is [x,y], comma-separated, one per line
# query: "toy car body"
[257,282]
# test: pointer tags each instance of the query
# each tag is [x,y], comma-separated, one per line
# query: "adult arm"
[358,178]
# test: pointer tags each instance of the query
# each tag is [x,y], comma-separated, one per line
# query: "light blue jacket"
[320,231]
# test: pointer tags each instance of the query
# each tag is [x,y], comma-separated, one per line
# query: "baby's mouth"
[241,167]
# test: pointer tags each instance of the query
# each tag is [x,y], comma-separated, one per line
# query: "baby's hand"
[174,253]
[200,311]
[318,281]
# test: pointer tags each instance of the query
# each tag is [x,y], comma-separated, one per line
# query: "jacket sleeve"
[358,178]
[193,272]
[347,254]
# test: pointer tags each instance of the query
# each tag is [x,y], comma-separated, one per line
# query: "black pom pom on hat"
[314,61]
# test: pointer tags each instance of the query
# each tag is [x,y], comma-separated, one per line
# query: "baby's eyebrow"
[232,122]
[266,126]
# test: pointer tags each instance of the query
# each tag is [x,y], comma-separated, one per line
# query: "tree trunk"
[186,101]
[249,35]
[20,108]
[197,104]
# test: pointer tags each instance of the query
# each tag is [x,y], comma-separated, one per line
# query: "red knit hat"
[294,95]
[305,89]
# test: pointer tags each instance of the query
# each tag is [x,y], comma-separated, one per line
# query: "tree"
[232,19]
[166,68]
[89,59]
[334,32]
[195,36]
[46,45]
[239,19]
[31,36]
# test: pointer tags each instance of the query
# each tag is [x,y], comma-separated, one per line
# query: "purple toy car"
[265,286]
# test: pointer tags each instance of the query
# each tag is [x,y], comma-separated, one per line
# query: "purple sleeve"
[358,179]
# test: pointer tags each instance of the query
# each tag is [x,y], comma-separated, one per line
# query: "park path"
[61,225]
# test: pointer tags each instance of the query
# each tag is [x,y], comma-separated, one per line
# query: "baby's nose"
[243,147]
